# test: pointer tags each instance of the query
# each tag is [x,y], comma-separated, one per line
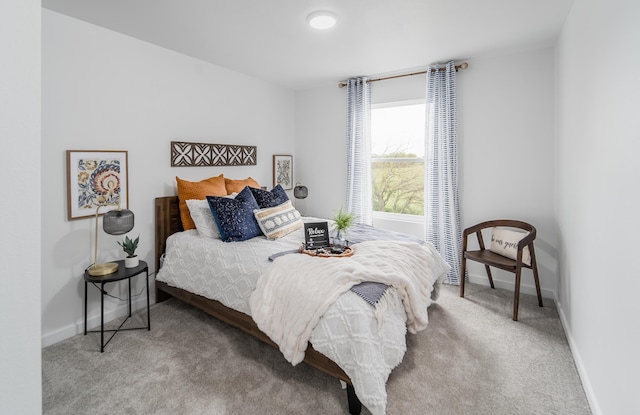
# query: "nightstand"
[122,274]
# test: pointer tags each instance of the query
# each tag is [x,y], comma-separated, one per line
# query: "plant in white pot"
[129,246]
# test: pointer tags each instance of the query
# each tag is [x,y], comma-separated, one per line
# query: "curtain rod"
[463,65]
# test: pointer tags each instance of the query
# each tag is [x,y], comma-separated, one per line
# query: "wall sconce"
[300,191]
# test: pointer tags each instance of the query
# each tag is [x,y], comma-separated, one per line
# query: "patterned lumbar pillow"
[505,243]
[276,222]
[267,199]
[234,217]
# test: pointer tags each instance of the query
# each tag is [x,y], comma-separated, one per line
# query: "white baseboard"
[582,372]
[509,285]
[93,322]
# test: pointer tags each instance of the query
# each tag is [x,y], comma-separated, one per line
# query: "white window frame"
[399,217]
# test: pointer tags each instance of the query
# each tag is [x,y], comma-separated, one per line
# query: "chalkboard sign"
[316,235]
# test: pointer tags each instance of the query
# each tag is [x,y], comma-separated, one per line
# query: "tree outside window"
[397,161]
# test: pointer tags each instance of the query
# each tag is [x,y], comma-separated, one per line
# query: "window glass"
[397,157]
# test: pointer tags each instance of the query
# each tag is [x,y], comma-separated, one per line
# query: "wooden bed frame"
[168,222]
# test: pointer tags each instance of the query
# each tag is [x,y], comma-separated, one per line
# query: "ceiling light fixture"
[322,19]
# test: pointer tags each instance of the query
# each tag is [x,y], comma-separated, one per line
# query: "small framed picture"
[283,171]
[96,178]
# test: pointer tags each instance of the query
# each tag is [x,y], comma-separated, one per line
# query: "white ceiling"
[272,41]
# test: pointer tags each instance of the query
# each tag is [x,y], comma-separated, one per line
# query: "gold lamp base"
[99,270]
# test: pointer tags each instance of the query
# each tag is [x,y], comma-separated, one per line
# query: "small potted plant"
[342,221]
[129,246]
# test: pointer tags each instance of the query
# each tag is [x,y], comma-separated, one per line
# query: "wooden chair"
[492,259]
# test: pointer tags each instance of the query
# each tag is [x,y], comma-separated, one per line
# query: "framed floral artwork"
[283,171]
[96,178]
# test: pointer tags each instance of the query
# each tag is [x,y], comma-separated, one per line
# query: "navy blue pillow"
[268,199]
[234,217]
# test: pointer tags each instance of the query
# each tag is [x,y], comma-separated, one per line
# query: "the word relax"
[315,232]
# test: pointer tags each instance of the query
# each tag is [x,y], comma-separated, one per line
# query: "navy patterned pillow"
[267,199]
[234,217]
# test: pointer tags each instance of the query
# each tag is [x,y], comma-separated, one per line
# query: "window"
[397,157]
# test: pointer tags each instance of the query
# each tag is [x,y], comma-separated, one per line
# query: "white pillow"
[200,212]
[505,243]
[276,222]
[202,217]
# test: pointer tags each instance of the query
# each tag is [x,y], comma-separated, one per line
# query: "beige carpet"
[471,359]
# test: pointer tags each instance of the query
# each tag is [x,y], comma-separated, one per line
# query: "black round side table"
[121,274]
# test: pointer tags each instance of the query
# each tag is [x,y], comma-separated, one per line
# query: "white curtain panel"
[359,199]
[441,207]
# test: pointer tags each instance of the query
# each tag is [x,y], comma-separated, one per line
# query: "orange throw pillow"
[236,186]
[213,186]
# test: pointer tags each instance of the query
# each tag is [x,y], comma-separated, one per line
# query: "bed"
[169,237]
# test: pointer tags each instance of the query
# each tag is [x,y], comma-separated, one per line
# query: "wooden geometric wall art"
[185,154]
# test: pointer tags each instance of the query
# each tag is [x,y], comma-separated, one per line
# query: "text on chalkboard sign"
[316,235]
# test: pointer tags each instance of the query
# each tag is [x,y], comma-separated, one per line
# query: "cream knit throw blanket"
[295,290]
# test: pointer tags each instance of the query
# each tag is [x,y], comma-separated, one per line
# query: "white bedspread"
[349,333]
[296,290]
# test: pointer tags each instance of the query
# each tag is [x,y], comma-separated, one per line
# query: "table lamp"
[114,222]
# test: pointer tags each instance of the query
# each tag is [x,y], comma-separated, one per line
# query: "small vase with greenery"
[129,246]
[343,220]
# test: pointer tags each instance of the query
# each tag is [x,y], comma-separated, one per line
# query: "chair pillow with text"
[505,242]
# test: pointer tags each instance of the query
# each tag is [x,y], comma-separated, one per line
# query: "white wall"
[597,149]
[106,91]
[320,125]
[505,133]
[20,354]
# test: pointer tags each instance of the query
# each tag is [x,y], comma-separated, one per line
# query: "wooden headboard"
[168,222]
